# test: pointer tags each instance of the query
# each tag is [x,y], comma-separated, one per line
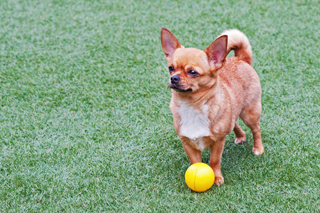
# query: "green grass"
[84,118]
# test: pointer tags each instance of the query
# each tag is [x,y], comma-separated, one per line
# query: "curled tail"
[239,43]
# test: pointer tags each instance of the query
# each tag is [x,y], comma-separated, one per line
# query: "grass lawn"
[84,119]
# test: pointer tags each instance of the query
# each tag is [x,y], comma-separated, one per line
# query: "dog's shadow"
[237,160]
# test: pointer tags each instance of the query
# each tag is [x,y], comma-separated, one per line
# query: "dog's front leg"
[193,154]
[216,150]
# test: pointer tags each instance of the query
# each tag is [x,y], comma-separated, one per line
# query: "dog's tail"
[239,43]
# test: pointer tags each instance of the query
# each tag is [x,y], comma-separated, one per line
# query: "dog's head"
[191,69]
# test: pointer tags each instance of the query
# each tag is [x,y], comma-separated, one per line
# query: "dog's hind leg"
[240,134]
[250,117]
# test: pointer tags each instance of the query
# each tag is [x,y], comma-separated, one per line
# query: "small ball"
[199,177]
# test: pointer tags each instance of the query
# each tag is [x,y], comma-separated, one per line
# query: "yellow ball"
[199,177]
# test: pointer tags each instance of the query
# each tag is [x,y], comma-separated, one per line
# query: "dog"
[210,92]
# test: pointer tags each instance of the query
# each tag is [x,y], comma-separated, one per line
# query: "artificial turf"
[84,118]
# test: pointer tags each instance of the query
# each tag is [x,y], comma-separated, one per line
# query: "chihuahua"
[210,92]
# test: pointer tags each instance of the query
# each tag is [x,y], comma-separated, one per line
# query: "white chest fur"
[194,123]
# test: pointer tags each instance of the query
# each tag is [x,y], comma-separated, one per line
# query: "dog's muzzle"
[175,79]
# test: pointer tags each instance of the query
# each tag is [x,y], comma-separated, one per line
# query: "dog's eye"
[171,69]
[192,73]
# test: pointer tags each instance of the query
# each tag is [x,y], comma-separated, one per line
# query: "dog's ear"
[169,43]
[217,52]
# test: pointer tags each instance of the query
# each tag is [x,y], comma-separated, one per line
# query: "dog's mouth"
[176,88]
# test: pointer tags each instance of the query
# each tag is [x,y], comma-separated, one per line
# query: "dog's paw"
[258,151]
[218,181]
[240,140]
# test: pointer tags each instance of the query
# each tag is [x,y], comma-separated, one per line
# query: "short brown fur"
[222,90]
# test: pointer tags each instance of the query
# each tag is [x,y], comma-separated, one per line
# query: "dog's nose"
[175,79]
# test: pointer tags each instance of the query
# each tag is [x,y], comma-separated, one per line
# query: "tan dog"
[210,92]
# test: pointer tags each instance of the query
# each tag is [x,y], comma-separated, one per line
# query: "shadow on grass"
[238,163]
